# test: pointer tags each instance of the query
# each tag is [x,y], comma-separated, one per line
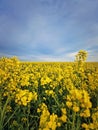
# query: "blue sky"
[48,30]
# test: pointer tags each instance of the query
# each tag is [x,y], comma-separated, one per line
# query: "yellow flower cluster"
[63,118]
[23,97]
[24,81]
[79,101]
[45,80]
[50,92]
[94,124]
[50,121]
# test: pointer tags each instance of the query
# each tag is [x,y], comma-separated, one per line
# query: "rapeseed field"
[48,95]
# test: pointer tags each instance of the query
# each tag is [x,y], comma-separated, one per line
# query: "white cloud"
[72,54]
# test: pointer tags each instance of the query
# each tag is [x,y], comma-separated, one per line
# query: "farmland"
[48,95]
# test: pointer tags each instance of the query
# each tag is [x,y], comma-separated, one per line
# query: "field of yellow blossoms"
[48,96]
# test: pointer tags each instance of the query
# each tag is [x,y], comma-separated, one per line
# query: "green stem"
[11,116]
[78,123]
[3,112]
[73,121]
[28,116]
[56,102]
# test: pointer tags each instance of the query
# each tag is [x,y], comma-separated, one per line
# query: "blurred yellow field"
[48,95]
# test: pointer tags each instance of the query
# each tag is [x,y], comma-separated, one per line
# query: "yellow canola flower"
[53,117]
[48,121]
[76,94]
[59,124]
[59,78]
[52,124]
[24,80]
[92,126]
[84,125]
[76,109]
[24,100]
[85,102]
[63,110]
[50,92]
[68,98]
[69,104]
[23,97]
[85,113]
[95,116]
[63,118]
[44,117]
[45,80]
[95,119]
